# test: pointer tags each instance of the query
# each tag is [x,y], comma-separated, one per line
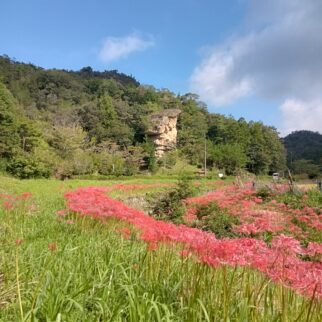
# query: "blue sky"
[243,57]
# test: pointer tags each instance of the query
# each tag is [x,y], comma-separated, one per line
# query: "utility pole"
[205,156]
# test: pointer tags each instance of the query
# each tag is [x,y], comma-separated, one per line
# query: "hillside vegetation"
[66,123]
[304,152]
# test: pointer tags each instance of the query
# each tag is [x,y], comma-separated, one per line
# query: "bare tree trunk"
[290,180]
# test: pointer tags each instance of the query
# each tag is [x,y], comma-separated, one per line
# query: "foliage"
[9,139]
[67,139]
[111,164]
[169,159]
[71,111]
[314,198]
[25,167]
[169,206]
[150,158]
[299,200]
[211,218]
[305,145]
[229,157]
[265,193]
[82,162]
[181,165]
[261,144]
[64,170]
[304,154]
[306,166]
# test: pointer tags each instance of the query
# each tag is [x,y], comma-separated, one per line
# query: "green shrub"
[25,167]
[211,218]
[169,160]
[64,170]
[292,199]
[169,206]
[110,164]
[265,193]
[314,198]
[82,162]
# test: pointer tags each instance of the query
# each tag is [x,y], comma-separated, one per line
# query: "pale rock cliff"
[163,130]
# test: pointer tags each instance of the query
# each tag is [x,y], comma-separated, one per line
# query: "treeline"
[65,123]
[304,153]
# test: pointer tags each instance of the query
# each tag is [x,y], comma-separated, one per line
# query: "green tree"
[67,139]
[308,167]
[9,138]
[192,127]
[29,136]
[106,105]
[230,157]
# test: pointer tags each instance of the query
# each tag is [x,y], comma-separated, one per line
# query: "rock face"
[163,130]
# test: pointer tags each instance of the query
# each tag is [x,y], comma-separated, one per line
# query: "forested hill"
[304,152]
[62,123]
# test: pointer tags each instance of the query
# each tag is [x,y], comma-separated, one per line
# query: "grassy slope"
[96,275]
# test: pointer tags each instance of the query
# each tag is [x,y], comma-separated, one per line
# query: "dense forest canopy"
[63,123]
[304,152]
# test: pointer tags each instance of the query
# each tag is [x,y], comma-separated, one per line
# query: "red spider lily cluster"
[280,262]
[255,216]
[9,202]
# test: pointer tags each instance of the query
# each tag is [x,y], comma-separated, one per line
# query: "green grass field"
[85,270]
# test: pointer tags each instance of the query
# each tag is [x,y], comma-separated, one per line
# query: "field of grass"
[82,269]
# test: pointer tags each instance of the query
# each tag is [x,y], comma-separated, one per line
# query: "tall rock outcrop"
[163,130]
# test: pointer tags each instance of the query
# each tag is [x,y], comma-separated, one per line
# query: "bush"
[170,206]
[265,193]
[169,160]
[314,198]
[211,218]
[292,199]
[299,200]
[110,164]
[82,162]
[64,170]
[25,167]
[180,166]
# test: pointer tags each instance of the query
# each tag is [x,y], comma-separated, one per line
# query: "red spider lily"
[19,241]
[314,249]
[278,262]
[125,232]
[25,195]
[61,213]
[10,202]
[52,247]
[256,217]
[286,244]
[8,205]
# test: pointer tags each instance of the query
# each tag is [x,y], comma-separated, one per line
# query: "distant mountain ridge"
[305,145]
[304,152]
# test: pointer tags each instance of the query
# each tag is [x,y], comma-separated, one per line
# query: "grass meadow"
[82,269]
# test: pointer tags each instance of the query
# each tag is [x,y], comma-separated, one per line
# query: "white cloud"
[301,115]
[115,48]
[212,78]
[278,58]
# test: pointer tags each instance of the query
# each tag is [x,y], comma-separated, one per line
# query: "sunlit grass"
[86,271]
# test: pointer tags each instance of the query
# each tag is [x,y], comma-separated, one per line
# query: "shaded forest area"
[304,153]
[66,123]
